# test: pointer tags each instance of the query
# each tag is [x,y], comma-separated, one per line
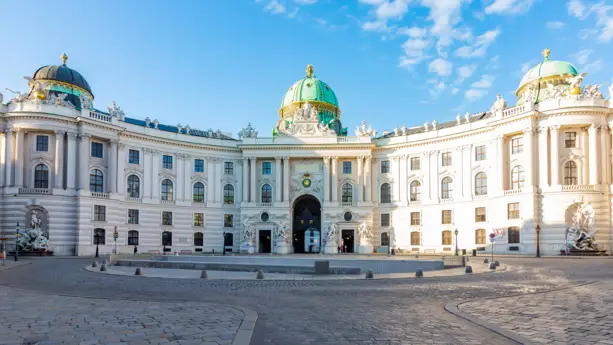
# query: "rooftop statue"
[115,110]
[248,132]
[499,105]
[575,83]
[19,97]
[592,91]
[362,131]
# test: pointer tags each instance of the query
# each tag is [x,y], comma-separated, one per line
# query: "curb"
[247,327]
[454,308]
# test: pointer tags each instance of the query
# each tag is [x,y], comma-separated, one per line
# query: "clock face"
[306,183]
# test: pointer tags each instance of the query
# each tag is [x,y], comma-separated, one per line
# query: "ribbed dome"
[548,69]
[62,74]
[310,89]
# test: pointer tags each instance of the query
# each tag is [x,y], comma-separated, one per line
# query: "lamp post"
[538,241]
[16,242]
[97,239]
[223,248]
[456,241]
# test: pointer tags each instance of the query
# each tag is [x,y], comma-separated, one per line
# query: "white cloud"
[555,25]
[412,31]
[474,94]
[582,57]
[576,8]
[445,14]
[305,2]
[508,6]
[275,7]
[441,67]
[465,72]
[394,9]
[593,67]
[377,25]
[455,90]
[604,18]
[485,82]
[480,46]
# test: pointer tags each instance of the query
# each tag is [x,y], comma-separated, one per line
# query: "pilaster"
[19,160]
[58,179]
[543,166]
[112,171]
[555,156]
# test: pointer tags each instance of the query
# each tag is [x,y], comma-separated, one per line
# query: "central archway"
[306,230]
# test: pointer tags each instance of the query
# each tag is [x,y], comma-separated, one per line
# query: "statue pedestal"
[331,249]
[282,248]
[365,249]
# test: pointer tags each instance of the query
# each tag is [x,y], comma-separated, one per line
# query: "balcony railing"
[480,197]
[134,200]
[414,202]
[512,192]
[578,188]
[100,195]
[447,201]
[346,203]
[513,111]
[100,117]
[167,202]
[265,204]
[42,191]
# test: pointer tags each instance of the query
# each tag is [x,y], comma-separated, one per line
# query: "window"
[167,238]
[166,218]
[386,193]
[132,238]
[447,188]
[198,195]
[346,167]
[96,181]
[446,159]
[385,239]
[266,193]
[198,219]
[347,193]
[415,238]
[481,184]
[198,239]
[479,214]
[228,220]
[41,176]
[99,213]
[513,210]
[517,177]
[228,194]
[96,150]
[480,236]
[570,140]
[447,239]
[133,186]
[167,162]
[570,173]
[198,165]
[480,153]
[415,191]
[513,235]
[133,216]
[99,236]
[134,158]
[415,218]
[167,190]
[385,220]
[517,145]
[385,167]
[415,163]
[228,239]
[446,217]
[266,168]
[228,168]
[42,143]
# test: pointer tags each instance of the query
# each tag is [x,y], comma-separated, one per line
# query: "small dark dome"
[64,74]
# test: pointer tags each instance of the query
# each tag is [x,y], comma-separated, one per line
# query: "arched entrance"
[306,230]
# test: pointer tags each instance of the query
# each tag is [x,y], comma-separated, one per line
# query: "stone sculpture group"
[580,234]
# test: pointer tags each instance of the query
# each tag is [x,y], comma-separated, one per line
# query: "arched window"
[198,239]
[266,193]
[517,177]
[167,190]
[99,236]
[198,192]
[347,193]
[96,181]
[447,188]
[386,193]
[385,239]
[41,176]
[133,186]
[415,238]
[481,184]
[447,239]
[570,173]
[513,235]
[167,238]
[132,238]
[480,236]
[228,194]
[415,191]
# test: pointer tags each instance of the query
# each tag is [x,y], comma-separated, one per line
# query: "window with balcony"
[481,184]
[347,193]
[167,190]
[447,188]
[266,194]
[96,181]
[480,153]
[446,216]
[517,177]
[96,149]
[99,213]
[415,163]
[167,162]
[517,145]
[386,193]
[133,186]
[415,218]
[479,214]
[41,176]
[133,216]
[385,167]
[42,143]
[134,157]
[513,210]
[570,173]
[446,159]
[166,218]
[198,165]
[570,139]
[228,194]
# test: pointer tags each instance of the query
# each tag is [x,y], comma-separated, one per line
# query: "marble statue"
[458,119]
[58,99]
[580,234]
[434,124]
[575,82]
[304,122]
[592,91]
[86,102]
[499,105]
[115,110]
[467,117]
[36,87]
[19,97]
[282,232]
[330,233]
[404,130]
[363,131]
[426,126]
[248,132]
[156,123]
[611,90]
[364,231]
[35,237]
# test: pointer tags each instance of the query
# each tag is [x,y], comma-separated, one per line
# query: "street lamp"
[97,239]
[456,241]
[16,242]
[223,248]
[538,241]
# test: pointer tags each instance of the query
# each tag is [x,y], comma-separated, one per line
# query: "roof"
[174,129]
[439,126]
[63,74]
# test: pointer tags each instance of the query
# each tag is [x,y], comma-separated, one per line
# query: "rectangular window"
[517,145]
[199,165]
[446,217]
[134,157]
[415,238]
[42,143]
[228,220]
[385,220]
[133,216]
[385,167]
[198,219]
[99,213]
[228,168]
[167,162]
[166,218]
[513,210]
[346,167]
[96,150]
[132,238]
[385,239]
[570,140]
[415,218]
[480,153]
[415,163]
[479,214]
[480,236]
[447,239]
[446,159]
[267,168]
[513,236]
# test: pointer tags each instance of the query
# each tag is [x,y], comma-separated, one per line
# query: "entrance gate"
[307,217]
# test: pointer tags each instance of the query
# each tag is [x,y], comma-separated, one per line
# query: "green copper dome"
[312,90]
[548,69]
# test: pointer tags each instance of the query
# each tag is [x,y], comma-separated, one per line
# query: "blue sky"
[221,64]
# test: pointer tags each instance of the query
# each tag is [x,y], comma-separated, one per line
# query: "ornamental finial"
[546,53]
[309,70]
[64,58]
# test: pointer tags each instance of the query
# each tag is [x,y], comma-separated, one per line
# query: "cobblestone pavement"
[398,311]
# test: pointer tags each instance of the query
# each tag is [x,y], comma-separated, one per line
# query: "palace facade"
[88,177]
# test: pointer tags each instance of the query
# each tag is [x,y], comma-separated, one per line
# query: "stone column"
[113,167]
[3,159]
[396,184]
[604,166]
[245,179]
[148,172]
[210,193]
[253,163]
[83,162]
[187,177]
[426,187]
[529,157]
[368,167]
[593,154]
[402,191]
[218,175]
[278,177]
[360,184]
[121,174]
[555,155]
[180,178]
[71,166]
[334,179]
[500,166]
[59,160]
[19,151]
[156,184]
[435,181]
[543,166]
[8,157]
[286,179]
